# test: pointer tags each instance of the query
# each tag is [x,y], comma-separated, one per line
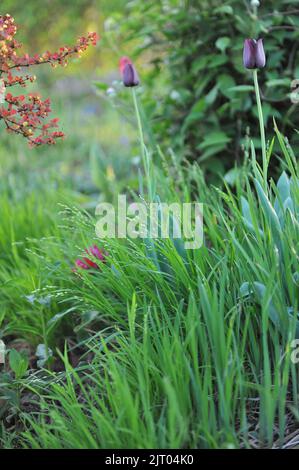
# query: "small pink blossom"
[94,252]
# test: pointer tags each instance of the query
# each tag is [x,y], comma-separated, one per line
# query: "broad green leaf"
[279,82]
[284,193]
[211,150]
[269,213]
[259,291]
[232,176]
[223,43]
[242,88]
[226,83]
[226,9]
[218,60]
[214,138]
[247,216]
[212,95]
[18,362]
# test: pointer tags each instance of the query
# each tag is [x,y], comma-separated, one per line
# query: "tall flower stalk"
[254,59]
[131,80]
[262,125]
[144,153]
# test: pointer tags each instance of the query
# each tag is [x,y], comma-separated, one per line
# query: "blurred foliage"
[41,22]
[52,23]
[196,93]
[210,107]
[88,122]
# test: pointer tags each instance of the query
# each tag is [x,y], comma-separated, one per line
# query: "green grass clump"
[169,350]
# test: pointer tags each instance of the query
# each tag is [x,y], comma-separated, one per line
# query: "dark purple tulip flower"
[254,54]
[129,73]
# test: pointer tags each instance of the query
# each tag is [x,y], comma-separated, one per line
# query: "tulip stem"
[144,153]
[262,126]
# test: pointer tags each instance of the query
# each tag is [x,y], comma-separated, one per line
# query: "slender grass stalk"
[262,126]
[145,156]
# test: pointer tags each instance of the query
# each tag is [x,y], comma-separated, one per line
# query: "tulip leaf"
[259,291]
[269,213]
[232,176]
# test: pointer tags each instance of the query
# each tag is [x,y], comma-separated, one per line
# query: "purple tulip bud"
[130,76]
[260,54]
[254,54]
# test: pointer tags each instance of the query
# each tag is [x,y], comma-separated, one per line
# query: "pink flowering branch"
[27,114]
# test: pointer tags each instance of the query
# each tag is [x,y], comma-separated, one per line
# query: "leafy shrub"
[209,109]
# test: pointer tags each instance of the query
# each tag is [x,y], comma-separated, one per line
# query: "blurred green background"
[97,141]
[197,98]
